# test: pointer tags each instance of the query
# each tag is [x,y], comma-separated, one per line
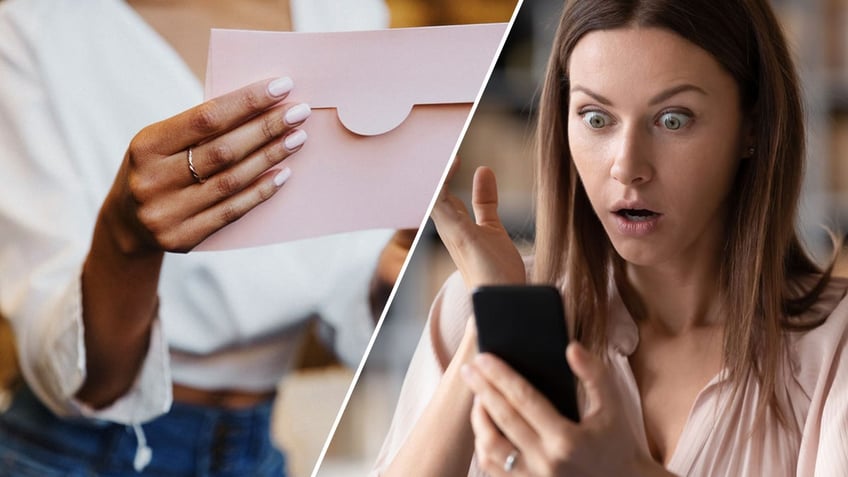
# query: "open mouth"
[637,215]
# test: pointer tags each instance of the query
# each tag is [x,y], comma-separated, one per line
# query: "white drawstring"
[143,454]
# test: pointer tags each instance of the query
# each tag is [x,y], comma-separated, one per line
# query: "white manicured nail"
[282,177]
[298,113]
[295,139]
[280,86]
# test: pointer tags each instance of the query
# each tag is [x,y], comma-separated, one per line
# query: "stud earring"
[751,151]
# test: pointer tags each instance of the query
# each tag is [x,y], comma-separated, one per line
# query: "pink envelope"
[388,108]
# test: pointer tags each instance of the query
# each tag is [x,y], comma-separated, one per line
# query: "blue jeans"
[189,441]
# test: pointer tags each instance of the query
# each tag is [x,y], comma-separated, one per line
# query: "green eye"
[595,119]
[674,121]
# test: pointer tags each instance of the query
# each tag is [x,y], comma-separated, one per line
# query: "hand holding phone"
[525,326]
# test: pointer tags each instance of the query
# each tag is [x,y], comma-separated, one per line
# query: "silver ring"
[509,463]
[197,177]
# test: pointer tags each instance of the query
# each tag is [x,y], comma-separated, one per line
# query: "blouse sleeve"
[439,341]
[47,217]
[822,370]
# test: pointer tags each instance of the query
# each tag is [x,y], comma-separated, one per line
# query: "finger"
[490,446]
[457,231]
[225,184]
[591,372]
[484,197]
[449,211]
[230,148]
[451,218]
[503,414]
[215,116]
[533,406]
[205,223]
[471,328]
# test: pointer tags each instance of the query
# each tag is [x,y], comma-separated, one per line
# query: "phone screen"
[525,326]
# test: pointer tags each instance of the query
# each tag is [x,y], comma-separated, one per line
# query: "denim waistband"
[189,440]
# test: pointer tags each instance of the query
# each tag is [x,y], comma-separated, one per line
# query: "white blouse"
[79,78]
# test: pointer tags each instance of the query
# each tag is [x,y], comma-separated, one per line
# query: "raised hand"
[480,247]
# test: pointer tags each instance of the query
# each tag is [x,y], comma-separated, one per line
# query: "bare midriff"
[226,398]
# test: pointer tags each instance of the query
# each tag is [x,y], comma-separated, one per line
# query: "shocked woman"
[706,341]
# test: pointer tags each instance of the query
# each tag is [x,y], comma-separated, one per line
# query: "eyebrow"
[656,99]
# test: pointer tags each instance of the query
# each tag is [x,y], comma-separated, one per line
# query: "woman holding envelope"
[138,361]
[706,341]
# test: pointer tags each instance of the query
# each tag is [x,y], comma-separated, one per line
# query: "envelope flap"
[372,78]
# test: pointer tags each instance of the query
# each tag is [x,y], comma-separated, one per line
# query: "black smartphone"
[525,326]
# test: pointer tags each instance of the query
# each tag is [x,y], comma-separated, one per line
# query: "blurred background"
[500,136]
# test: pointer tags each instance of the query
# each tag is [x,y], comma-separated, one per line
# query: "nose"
[632,164]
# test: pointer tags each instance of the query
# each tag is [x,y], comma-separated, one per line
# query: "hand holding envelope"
[387,109]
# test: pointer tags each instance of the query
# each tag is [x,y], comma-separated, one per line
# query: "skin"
[484,253]
[155,206]
[631,77]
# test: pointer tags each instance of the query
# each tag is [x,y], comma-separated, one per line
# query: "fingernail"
[282,177]
[280,86]
[295,139]
[298,113]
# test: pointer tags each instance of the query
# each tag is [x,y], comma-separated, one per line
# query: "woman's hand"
[481,248]
[510,416]
[157,204]
[388,268]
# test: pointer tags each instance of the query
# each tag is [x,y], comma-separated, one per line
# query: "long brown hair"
[762,252]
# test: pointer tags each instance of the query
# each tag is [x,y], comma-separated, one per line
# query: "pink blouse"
[716,440]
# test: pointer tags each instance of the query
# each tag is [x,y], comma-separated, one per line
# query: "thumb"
[484,197]
[592,373]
